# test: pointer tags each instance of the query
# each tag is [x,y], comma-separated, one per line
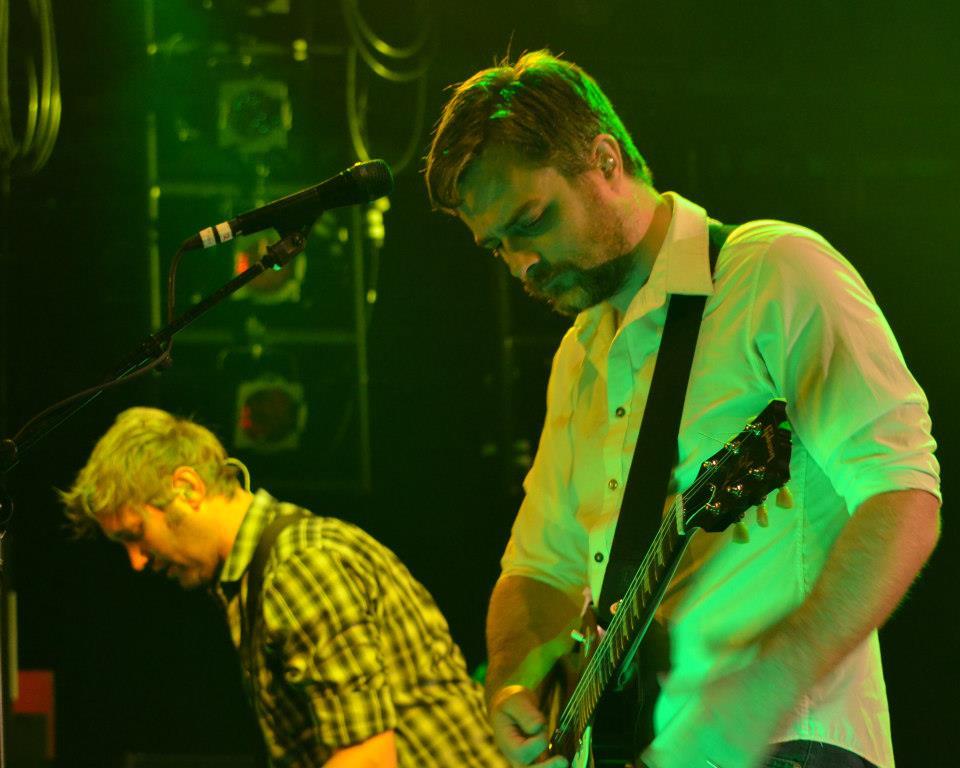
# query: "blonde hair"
[133,462]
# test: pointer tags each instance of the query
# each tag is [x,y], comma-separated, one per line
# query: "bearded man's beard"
[592,285]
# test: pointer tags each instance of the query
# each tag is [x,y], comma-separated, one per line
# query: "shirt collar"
[682,266]
[259,514]
[685,253]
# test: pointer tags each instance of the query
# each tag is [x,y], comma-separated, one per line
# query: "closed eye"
[535,224]
[130,532]
[528,227]
[523,228]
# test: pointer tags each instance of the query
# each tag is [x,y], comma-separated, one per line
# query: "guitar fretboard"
[624,633]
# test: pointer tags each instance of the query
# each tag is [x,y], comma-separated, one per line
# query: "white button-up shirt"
[786,317]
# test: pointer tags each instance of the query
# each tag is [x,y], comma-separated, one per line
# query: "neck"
[655,211]
[230,511]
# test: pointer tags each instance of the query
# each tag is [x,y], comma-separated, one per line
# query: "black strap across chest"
[251,611]
[656,451]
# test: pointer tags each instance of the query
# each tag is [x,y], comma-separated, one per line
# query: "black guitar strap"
[649,477]
[252,609]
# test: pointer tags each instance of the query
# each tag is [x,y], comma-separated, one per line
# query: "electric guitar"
[739,476]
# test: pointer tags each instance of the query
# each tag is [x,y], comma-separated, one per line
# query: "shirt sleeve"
[321,617]
[827,347]
[547,542]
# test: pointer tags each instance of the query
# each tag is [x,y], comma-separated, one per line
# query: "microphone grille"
[374,177]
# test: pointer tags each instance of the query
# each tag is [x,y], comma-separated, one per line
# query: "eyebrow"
[484,242]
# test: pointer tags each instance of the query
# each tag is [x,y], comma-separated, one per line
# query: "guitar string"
[666,526]
[570,710]
[619,618]
[599,656]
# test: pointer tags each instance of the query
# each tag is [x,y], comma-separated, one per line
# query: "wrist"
[796,659]
[497,697]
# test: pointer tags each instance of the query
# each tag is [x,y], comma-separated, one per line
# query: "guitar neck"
[616,649]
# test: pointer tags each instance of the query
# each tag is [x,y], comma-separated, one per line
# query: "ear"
[188,484]
[606,157]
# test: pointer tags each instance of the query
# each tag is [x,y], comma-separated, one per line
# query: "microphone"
[360,183]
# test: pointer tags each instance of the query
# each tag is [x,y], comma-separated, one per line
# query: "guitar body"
[623,723]
[620,726]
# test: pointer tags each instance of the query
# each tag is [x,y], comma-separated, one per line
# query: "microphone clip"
[284,250]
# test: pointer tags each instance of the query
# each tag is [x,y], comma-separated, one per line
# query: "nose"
[138,558]
[520,261]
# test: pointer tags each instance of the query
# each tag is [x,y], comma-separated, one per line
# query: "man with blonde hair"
[347,660]
[773,646]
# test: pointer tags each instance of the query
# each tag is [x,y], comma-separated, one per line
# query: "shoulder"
[321,552]
[571,349]
[567,362]
[780,257]
[782,243]
[771,239]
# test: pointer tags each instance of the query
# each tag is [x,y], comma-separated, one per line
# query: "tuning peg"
[735,490]
[784,498]
[740,533]
[763,518]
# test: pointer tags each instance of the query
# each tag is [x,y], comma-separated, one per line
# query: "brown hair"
[133,463]
[546,108]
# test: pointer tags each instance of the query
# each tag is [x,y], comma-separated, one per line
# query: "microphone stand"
[293,241]
[278,255]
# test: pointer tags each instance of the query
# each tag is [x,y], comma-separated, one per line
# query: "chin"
[567,310]
[572,303]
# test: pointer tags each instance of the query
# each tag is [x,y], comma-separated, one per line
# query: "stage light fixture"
[255,116]
[271,414]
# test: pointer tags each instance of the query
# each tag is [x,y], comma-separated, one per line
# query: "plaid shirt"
[350,646]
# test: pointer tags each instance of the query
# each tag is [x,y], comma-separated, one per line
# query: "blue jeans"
[813,754]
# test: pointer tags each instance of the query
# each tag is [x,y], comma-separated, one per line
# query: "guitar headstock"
[742,473]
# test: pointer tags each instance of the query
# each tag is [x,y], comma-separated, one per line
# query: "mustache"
[540,275]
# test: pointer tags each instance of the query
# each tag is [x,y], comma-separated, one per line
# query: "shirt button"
[613,484]
[621,412]
[598,557]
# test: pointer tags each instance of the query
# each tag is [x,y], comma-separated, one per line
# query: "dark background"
[843,117]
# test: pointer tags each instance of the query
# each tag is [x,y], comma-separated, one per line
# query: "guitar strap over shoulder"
[656,452]
[252,608]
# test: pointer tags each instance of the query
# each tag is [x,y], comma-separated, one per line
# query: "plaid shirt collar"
[261,511]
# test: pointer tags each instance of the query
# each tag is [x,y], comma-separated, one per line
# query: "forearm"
[379,751]
[528,629]
[872,564]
